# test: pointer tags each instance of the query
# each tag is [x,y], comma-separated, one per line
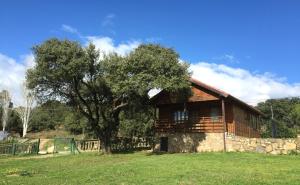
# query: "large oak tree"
[102,87]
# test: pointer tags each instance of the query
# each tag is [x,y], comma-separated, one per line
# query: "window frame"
[180,116]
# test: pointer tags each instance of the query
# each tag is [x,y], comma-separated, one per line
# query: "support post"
[224,124]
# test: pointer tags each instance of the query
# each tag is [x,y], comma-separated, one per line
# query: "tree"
[295,116]
[25,110]
[286,116]
[14,123]
[75,123]
[48,116]
[5,104]
[137,122]
[101,88]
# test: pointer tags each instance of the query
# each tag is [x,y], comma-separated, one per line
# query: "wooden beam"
[224,123]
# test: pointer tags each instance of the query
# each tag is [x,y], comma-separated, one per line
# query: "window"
[214,114]
[180,116]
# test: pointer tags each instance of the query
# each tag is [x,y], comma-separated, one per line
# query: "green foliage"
[295,115]
[99,88]
[76,123]
[14,123]
[286,116]
[48,116]
[1,112]
[137,122]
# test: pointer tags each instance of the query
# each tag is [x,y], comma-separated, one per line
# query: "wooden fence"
[127,144]
[64,144]
[88,145]
[118,144]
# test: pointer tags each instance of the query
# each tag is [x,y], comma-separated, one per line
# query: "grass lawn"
[143,168]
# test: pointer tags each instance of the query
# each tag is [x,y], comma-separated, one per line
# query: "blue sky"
[261,38]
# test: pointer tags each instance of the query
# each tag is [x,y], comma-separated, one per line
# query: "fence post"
[38,147]
[54,146]
[72,145]
[13,148]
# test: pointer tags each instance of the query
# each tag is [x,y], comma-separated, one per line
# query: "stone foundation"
[213,142]
[191,142]
[262,145]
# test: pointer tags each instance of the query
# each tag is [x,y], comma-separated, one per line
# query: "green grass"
[143,168]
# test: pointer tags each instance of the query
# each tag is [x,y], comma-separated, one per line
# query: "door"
[164,144]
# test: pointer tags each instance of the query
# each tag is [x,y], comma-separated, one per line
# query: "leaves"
[102,88]
[286,116]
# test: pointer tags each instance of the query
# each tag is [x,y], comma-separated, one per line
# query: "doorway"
[164,144]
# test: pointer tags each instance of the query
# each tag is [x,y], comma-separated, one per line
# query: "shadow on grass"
[130,151]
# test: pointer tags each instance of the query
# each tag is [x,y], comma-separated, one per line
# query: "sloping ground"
[46,146]
[145,168]
[50,134]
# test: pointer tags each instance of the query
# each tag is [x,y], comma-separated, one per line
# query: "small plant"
[294,152]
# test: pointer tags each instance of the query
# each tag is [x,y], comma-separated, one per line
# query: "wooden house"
[202,122]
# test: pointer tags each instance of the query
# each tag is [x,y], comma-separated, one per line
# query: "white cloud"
[248,86]
[106,45]
[68,28]
[12,75]
[12,71]
[153,92]
[227,58]
[108,20]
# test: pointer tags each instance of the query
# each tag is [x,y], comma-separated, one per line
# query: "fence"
[65,145]
[88,145]
[15,148]
[70,145]
[118,144]
[127,144]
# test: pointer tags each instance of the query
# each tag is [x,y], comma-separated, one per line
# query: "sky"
[250,49]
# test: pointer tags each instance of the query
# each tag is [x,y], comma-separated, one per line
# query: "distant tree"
[25,110]
[101,88]
[286,116]
[5,102]
[48,116]
[14,123]
[75,123]
[295,116]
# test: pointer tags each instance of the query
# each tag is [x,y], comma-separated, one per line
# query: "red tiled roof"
[201,84]
[222,93]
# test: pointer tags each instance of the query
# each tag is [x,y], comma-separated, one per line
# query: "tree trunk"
[105,143]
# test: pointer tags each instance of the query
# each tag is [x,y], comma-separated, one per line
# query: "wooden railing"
[117,144]
[194,124]
[129,144]
[88,145]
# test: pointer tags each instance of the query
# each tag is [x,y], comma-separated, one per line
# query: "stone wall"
[191,142]
[262,145]
[213,142]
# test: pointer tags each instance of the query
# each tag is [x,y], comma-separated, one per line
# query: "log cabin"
[203,121]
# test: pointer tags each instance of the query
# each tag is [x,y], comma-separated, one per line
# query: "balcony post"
[224,124]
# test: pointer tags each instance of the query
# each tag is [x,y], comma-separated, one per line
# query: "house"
[203,121]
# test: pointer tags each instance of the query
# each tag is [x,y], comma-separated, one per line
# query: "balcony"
[194,124]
